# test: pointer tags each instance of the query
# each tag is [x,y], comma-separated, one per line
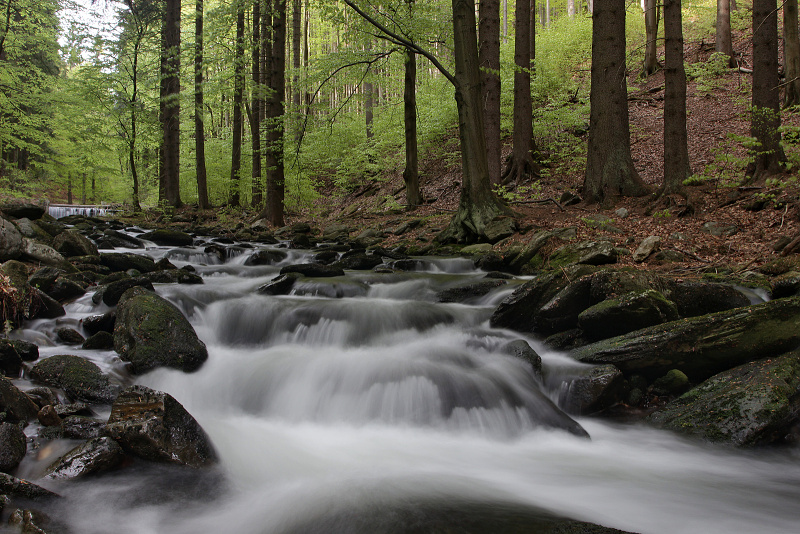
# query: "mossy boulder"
[316,270]
[786,285]
[153,425]
[632,311]
[11,241]
[151,332]
[123,261]
[45,255]
[585,252]
[78,377]
[593,389]
[169,237]
[72,243]
[754,404]
[702,346]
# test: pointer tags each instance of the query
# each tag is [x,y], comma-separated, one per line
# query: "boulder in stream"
[12,446]
[316,270]
[123,261]
[153,425]
[594,389]
[78,377]
[95,456]
[169,237]
[15,487]
[151,332]
[73,243]
[11,241]
[14,403]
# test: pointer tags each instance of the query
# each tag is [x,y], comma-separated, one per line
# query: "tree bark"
[411,172]
[676,150]
[724,43]
[609,167]
[255,111]
[791,53]
[651,17]
[296,30]
[522,163]
[273,209]
[238,96]
[368,101]
[766,117]
[132,140]
[489,57]
[199,130]
[170,104]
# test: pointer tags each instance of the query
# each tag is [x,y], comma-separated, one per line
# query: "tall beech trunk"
[766,116]
[255,111]
[609,166]
[651,17]
[170,88]
[724,42]
[791,53]
[522,163]
[199,130]
[296,34]
[676,149]
[273,209]
[489,58]
[411,172]
[238,96]
[132,139]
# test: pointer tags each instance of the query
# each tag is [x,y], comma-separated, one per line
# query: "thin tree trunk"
[306,22]
[676,150]
[724,43]
[132,141]
[273,210]
[368,101]
[571,8]
[296,29]
[651,35]
[791,53]
[238,95]
[69,188]
[83,188]
[609,167]
[489,57]
[170,103]
[255,111]
[411,172]
[505,21]
[199,121]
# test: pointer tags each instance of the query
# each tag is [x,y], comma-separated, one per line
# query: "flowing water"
[360,404]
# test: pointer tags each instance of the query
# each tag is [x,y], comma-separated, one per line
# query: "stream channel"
[361,404]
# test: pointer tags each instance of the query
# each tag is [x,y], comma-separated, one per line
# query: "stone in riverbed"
[14,403]
[15,487]
[314,270]
[594,389]
[167,237]
[113,291]
[519,348]
[632,311]
[12,446]
[123,261]
[99,341]
[11,241]
[280,285]
[151,332]
[154,426]
[469,291]
[96,456]
[754,404]
[78,377]
[72,243]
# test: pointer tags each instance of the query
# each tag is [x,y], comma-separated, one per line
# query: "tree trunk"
[411,172]
[522,163]
[238,95]
[170,103]
[255,111]
[676,150]
[571,8]
[296,29]
[533,36]
[489,57]
[265,103]
[791,53]
[69,188]
[766,117]
[306,21]
[368,100]
[83,188]
[724,43]
[478,205]
[651,17]
[609,167]
[273,210]
[132,140]
[505,21]
[199,129]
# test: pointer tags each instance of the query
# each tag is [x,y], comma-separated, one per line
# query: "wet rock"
[586,253]
[11,241]
[359,262]
[266,257]
[45,255]
[153,425]
[10,361]
[174,276]
[113,291]
[97,455]
[26,350]
[674,382]
[99,341]
[80,427]
[12,446]
[120,240]
[519,348]
[46,307]
[122,261]
[76,408]
[48,416]
[280,285]
[42,396]
[469,291]
[753,404]
[169,237]
[150,332]
[22,209]
[786,285]
[72,243]
[702,346]
[314,270]
[14,403]
[100,323]
[593,390]
[326,257]
[34,522]
[69,336]
[632,311]
[562,310]
[15,487]
[648,246]
[78,377]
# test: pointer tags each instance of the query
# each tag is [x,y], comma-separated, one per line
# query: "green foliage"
[731,158]
[531,191]
[706,75]
[662,214]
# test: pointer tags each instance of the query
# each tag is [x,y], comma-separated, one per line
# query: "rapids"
[355,402]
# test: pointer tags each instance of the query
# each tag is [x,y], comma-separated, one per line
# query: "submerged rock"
[154,426]
[753,404]
[78,377]
[150,332]
[280,285]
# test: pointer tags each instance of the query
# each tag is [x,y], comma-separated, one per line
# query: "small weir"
[86,210]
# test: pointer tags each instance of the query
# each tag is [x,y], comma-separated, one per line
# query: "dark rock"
[408,265]
[14,403]
[81,427]
[359,262]
[65,290]
[99,341]
[535,244]
[469,291]
[586,252]
[280,285]
[753,404]
[695,298]
[219,252]
[702,346]
[12,446]
[632,311]
[519,348]
[42,396]
[78,377]
[100,323]
[45,255]
[266,257]
[168,237]
[72,243]
[786,285]
[34,522]
[22,209]
[316,270]
[70,336]
[15,487]
[76,408]
[113,291]
[44,278]
[124,260]
[674,382]
[176,276]
[491,262]
[593,390]
[561,312]
[150,332]
[326,257]
[500,228]
[48,416]
[52,227]
[120,240]
[153,425]
[46,306]
[97,455]
[165,265]
[11,241]
[10,361]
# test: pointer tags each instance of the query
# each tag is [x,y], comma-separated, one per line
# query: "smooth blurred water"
[334,409]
